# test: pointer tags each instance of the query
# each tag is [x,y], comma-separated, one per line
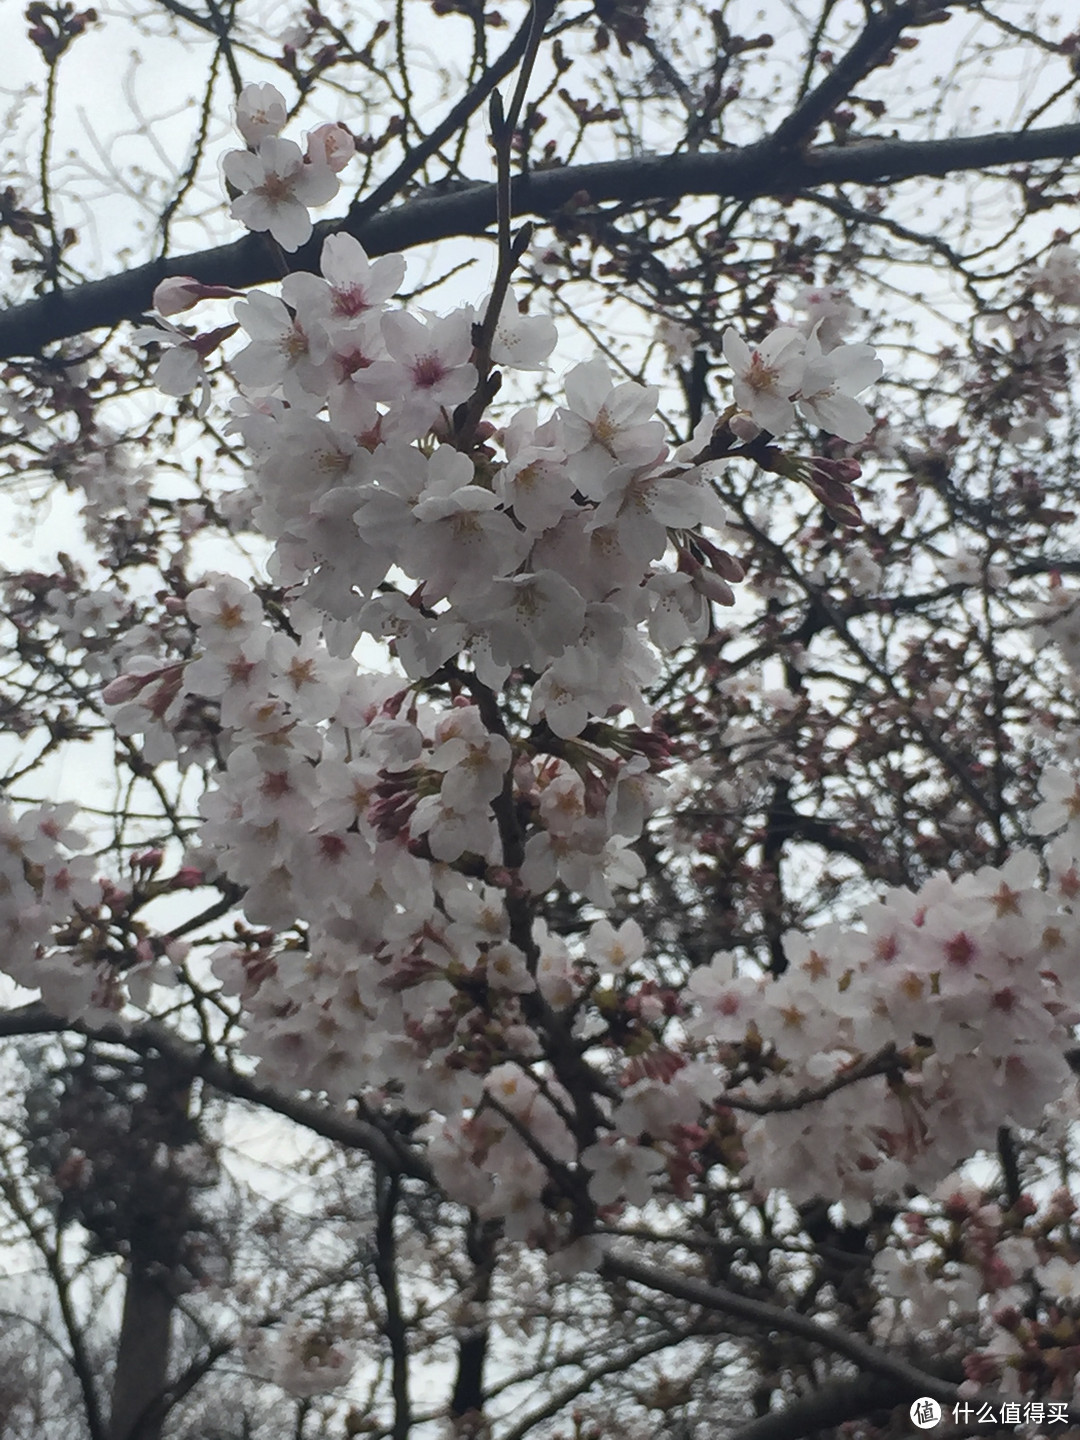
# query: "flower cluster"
[275,181]
[812,371]
[303,1357]
[42,884]
[951,1007]
[412,837]
[1012,1272]
[411,823]
[541,549]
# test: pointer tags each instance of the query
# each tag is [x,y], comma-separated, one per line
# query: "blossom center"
[427,371]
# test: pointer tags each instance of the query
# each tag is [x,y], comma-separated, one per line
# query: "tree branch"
[395,1326]
[748,173]
[832,1405]
[910,1378]
[78,1356]
[195,1061]
[871,49]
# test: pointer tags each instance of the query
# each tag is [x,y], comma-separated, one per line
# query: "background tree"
[875,707]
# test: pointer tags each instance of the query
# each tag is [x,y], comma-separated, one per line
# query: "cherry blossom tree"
[562,698]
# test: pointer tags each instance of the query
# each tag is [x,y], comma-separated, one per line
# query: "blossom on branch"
[277,184]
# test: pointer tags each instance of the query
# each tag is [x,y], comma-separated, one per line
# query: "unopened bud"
[124,688]
[708,583]
[744,428]
[181,292]
[188,877]
[149,861]
[722,561]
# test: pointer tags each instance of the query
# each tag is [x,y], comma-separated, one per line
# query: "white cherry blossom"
[261,113]
[615,952]
[621,1171]
[830,382]
[1060,789]
[520,341]
[604,423]
[767,376]
[277,185]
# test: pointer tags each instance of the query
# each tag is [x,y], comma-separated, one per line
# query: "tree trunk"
[142,1359]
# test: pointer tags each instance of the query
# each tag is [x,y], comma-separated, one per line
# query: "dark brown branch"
[182,1386]
[468,1396]
[748,173]
[142,1355]
[910,1380]
[362,210]
[885,1061]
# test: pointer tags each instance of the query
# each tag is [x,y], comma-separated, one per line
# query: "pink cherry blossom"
[357,284]
[437,361]
[331,145]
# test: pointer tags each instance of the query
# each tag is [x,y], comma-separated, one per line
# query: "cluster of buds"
[68,23]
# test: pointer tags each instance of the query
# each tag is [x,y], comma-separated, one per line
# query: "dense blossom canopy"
[534,914]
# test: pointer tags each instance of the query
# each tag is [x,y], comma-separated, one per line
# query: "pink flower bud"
[148,861]
[331,145]
[124,688]
[722,561]
[181,292]
[709,584]
[188,877]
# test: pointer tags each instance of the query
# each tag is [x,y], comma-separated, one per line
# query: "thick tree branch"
[909,1380]
[868,1358]
[832,1405]
[194,1061]
[468,1396]
[749,173]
